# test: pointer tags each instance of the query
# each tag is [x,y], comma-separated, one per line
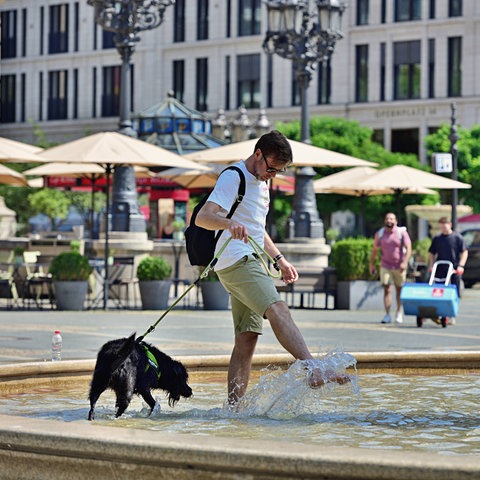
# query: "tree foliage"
[53,203]
[351,138]
[468,169]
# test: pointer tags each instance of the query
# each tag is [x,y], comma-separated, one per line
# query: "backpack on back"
[200,242]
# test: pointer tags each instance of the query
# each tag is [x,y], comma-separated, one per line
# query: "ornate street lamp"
[126,19]
[306,36]
[454,151]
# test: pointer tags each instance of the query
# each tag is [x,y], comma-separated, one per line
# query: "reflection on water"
[418,413]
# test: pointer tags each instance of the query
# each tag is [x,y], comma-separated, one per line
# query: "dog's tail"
[124,352]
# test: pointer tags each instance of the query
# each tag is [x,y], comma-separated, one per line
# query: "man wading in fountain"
[253,293]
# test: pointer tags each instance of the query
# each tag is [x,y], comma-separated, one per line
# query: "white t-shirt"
[252,212]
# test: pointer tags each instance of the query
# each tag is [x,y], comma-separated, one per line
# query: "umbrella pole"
[108,171]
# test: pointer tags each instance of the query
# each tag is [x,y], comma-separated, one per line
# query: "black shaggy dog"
[128,366]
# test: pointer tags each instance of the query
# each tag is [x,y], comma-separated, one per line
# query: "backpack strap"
[238,200]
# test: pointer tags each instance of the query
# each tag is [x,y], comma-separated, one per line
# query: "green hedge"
[153,268]
[351,257]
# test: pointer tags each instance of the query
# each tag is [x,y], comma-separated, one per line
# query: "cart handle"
[450,271]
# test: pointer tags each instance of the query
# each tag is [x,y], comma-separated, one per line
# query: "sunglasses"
[270,169]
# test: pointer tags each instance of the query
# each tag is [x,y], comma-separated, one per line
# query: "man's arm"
[462,262]
[406,256]
[289,272]
[213,217]
[373,256]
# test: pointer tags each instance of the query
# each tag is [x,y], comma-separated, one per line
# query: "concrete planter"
[70,295]
[155,294]
[215,297]
[359,295]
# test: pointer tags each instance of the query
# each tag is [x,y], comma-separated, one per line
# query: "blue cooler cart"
[436,299]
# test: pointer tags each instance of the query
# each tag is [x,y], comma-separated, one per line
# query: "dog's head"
[178,386]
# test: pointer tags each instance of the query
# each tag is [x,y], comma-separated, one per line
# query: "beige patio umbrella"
[350,182]
[403,177]
[12,151]
[12,177]
[110,149]
[91,171]
[304,155]
[201,178]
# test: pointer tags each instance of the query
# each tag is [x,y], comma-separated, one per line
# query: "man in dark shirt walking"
[449,245]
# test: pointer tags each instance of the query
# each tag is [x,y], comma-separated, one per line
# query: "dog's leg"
[99,384]
[124,394]
[147,396]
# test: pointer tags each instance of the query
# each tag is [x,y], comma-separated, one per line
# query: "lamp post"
[125,18]
[454,151]
[306,36]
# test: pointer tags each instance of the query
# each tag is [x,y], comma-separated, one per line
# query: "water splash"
[284,395]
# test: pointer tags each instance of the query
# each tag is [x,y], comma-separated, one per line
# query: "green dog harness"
[151,361]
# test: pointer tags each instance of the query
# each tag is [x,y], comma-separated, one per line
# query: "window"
[405,140]
[406,71]
[7,94]
[179,79]
[202,20]
[362,12]
[108,40]
[431,68]
[295,87]
[9,34]
[249,15]
[111,91]
[406,10]
[383,12]
[24,32]
[227,82]
[179,21]
[454,66]
[269,81]
[455,8]
[431,8]
[248,81]
[324,82]
[75,93]
[57,95]
[361,73]
[383,70]
[201,93]
[76,27]
[58,33]
[228,33]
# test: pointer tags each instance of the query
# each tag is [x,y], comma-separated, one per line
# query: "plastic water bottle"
[56,346]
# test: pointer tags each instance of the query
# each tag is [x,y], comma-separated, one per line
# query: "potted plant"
[153,278]
[178,226]
[70,272]
[215,297]
[357,289]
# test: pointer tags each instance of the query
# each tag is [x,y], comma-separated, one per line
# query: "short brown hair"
[274,144]
[443,220]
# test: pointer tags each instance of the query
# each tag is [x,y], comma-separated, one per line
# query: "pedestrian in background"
[448,245]
[395,249]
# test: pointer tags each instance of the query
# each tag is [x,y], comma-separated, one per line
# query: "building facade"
[397,70]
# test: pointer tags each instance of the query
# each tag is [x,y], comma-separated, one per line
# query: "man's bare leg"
[292,340]
[240,365]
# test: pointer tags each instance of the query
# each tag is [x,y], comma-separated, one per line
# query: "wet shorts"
[252,292]
[389,275]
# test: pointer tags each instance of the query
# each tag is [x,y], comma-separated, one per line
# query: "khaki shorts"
[252,292]
[389,275]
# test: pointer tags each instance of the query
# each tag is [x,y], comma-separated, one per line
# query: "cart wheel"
[444,321]
[419,322]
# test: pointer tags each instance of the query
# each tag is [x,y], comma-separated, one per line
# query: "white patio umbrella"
[9,176]
[12,151]
[351,182]
[304,155]
[90,171]
[110,149]
[208,175]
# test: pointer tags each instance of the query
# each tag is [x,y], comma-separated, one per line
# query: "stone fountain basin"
[46,449]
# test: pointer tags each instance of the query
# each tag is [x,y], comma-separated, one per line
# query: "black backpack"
[200,242]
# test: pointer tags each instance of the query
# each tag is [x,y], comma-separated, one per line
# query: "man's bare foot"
[317,379]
